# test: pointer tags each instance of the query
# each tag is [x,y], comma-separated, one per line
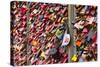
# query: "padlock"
[59,33]
[83,10]
[35,42]
[34,49]
[35,11]
[85,30]
[49,45]
[74,58]
[23,10]
[53,51]
[43,6]
[61,50]
[41,17]
[78,43]
[57,8]
[43,54]
[79,25]
[52,17]
[63,19]
[50,10]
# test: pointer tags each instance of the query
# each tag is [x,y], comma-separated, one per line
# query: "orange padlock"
[78,43]
[35,42]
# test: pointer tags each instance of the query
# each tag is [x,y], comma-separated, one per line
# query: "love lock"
[53,51]
[74,58]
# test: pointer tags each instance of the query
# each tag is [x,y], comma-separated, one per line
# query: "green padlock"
[58,33]
[51,11]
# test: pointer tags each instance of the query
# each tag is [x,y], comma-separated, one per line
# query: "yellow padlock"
[74,58]
[43,54]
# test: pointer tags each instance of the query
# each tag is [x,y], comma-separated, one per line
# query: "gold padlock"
[63,19]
